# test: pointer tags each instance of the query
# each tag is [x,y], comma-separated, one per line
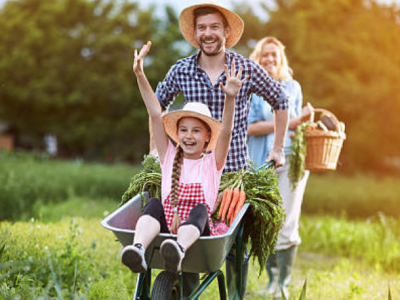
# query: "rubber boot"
[285,260]
[272,270]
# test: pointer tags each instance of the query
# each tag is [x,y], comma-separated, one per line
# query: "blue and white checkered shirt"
[187,77]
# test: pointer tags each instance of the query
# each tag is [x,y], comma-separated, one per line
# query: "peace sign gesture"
[138,60]
[233,82]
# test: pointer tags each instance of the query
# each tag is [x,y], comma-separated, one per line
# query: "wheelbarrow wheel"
[166,286]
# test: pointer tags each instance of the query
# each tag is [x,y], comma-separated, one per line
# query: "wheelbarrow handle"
[269,164]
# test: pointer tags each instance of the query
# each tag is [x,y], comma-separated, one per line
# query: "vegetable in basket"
[325,138]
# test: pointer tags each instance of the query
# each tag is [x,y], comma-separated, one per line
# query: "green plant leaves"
[303,291]
[297,159]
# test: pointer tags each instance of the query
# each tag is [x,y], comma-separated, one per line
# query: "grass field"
[53,247]
[81,258]
[28,180]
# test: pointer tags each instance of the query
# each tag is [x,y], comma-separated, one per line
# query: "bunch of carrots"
[231,204]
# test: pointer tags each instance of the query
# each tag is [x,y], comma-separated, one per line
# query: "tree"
[66,69]
[345,55]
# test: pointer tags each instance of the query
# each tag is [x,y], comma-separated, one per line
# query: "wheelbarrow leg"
[239,260]
[206,282]
[142,289]
[221,286]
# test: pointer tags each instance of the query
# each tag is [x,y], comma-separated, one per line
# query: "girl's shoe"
[132,256]
[173,254]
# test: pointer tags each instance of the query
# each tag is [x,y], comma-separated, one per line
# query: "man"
[213,29]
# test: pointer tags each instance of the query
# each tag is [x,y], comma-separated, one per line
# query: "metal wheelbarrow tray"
[206,255]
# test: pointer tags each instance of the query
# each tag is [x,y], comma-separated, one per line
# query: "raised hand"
[233,82]
[138,60]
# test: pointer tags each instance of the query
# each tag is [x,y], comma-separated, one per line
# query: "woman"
[270,54]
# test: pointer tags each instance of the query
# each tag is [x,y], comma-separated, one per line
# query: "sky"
[181,4]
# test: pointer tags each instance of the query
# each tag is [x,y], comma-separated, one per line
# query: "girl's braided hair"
[176,174]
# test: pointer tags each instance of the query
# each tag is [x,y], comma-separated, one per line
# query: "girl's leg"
[151,223]
[196,225]
[148,226]
[147,229]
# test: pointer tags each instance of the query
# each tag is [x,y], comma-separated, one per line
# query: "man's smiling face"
[211,34]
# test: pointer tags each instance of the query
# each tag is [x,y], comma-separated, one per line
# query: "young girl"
[190,175]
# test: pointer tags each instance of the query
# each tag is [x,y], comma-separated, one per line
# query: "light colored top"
[203,170]
[261,145]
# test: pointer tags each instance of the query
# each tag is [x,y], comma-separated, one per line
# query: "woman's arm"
[151,102]
[266,127]
[231,90]
[260,128]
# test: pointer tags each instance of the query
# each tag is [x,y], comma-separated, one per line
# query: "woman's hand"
[138,60]
[306,112]
[233,82]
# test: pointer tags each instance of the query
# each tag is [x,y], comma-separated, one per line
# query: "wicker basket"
[323,147]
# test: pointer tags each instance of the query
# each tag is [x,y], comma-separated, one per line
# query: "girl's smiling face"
[193,136]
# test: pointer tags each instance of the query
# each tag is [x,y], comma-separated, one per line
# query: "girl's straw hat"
[196,110]
[186,24]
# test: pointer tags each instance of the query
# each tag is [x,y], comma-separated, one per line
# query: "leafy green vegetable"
[297,158]
[266,213]
[148,179]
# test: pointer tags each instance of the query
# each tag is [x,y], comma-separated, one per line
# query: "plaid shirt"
[186,76]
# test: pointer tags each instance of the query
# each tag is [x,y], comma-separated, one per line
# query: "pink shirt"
[190,173]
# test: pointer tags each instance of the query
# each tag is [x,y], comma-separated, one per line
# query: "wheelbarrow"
[206,255]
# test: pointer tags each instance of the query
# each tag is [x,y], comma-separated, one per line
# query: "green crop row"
[359,196]
[374,241]
[26,180]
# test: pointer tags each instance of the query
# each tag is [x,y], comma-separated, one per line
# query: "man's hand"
[138,60]
[233,82]
[278,156]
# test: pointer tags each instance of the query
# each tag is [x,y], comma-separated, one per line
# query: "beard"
[214,52]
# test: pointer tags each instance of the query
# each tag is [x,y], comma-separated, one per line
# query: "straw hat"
[195,110]
[186,24]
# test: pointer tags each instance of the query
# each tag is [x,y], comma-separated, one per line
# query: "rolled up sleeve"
[269,89]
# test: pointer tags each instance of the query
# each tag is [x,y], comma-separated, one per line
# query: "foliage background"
[65,69]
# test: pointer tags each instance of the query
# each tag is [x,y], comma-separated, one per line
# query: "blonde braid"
[176,174]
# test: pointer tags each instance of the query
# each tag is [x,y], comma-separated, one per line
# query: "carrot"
[235,199]
[242,199]
[221,207]
[227,203]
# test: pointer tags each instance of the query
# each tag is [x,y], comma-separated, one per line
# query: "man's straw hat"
[186,24]
[195,110]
